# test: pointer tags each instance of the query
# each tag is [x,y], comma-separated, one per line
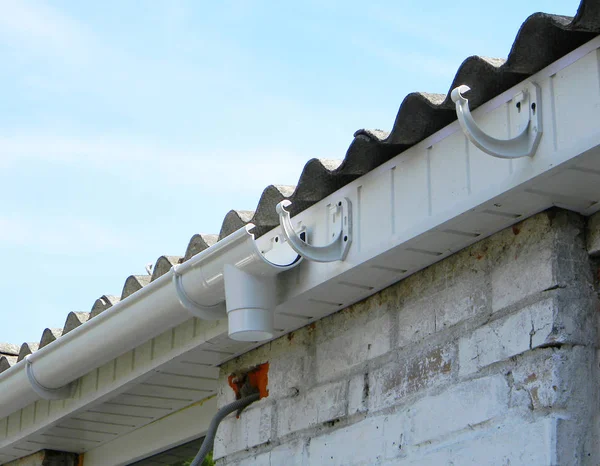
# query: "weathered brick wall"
[488,357]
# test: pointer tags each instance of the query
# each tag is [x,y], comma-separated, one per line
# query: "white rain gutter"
[233,266]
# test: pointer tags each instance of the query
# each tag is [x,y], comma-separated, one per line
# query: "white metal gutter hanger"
[529,109]
[340,228]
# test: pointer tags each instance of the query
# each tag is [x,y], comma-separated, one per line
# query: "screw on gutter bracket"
[528,110]
[340,223]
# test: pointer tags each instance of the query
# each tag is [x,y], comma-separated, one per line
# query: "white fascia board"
[168,432]
[444,194]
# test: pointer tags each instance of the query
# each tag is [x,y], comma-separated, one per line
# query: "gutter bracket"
[529,112]
[340,228]
[214,312]
[60,393]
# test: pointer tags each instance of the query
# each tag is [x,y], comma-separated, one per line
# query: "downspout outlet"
[251,301]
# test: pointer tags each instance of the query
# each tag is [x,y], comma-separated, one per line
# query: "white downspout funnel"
[251,301]
[198,287]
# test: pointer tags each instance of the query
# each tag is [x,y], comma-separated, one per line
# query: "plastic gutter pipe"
[233,267]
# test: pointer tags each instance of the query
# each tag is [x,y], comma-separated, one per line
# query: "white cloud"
[61,235]
[246,170]
[412,62]
[433,29]
[42,28]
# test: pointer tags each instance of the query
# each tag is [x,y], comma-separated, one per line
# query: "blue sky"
[126,127]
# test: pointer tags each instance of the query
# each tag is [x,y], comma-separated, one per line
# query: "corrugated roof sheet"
[541,40]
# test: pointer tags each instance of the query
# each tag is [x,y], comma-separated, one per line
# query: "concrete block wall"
[488,357]
[593,235]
